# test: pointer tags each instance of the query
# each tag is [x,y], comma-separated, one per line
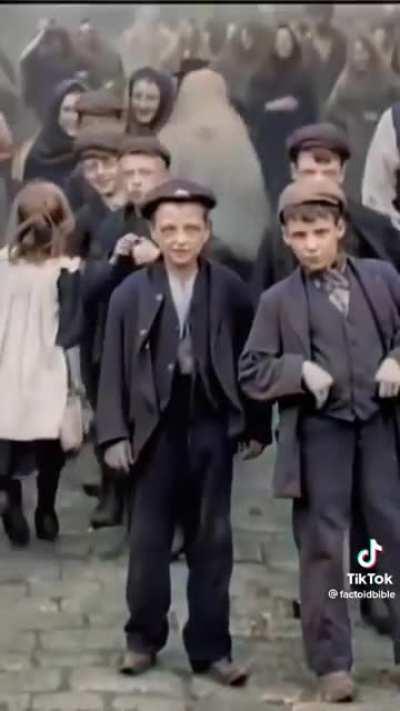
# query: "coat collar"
[155,288]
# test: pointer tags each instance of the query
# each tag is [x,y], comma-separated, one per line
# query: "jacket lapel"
[295,314]
[376,295]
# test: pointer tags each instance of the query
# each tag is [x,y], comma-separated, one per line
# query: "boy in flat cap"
[170,414]
[317,151]
[109,258]
[325,344]
[98,110]
[321,150]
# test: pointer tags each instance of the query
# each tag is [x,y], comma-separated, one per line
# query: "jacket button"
[159,297]
[170,367]
[143,331]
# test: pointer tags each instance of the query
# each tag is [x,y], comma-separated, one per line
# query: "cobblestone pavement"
[62,611]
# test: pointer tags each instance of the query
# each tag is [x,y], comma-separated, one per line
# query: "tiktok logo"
[368,557]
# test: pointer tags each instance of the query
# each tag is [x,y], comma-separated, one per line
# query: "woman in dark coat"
[52,155]
[151,98]
[364,90]
[280,100]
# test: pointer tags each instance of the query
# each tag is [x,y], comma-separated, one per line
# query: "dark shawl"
[270,129]
[52,155]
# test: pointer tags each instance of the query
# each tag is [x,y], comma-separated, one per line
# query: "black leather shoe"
[16,526]
[110,509]
[375,616]
[46,524]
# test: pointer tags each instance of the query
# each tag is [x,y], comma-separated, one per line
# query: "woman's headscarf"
[209,144]
[52,155]
[167,91]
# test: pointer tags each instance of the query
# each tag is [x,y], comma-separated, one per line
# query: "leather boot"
[336,687]
[14,521]
[109,510]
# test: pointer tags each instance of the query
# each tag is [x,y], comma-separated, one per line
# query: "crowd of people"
[206,223]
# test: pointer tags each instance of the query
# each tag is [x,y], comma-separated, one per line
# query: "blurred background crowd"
[283,66]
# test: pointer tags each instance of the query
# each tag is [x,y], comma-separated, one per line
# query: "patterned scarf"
[335,283]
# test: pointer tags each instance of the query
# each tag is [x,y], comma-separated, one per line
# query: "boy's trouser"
[186,475]
[341,460]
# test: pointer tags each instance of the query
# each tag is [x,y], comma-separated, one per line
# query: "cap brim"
[149,208]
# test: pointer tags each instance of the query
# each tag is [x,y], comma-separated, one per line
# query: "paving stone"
[234,700]
[13,640]
[68,702]
[12,593]
[85,640]
[12,661]
[317,706]
[158,683]
[136,703]
[38,614]
[246,550]
[66,591]
[16,702]
[60,660]
[30,680]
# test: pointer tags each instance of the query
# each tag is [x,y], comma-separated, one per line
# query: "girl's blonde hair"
[44,223]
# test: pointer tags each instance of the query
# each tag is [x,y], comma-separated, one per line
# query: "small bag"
[71,433]
[72,426]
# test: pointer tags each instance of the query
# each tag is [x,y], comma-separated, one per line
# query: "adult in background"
[330,45]
[100,60]
[40,320]
[209,143]
[281,99]
[151,95]
[240,59]
[363,91]
[48,60]
[170,416]
[52,155]
[381,180]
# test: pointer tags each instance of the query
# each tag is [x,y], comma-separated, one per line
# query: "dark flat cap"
[147,145]
[100,102]
[308,191]
[177,190]
[91,141]
[318,135]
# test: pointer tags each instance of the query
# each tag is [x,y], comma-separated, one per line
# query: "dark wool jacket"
[128,402]
[279,342]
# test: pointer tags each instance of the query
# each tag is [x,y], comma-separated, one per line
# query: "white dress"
[33,371]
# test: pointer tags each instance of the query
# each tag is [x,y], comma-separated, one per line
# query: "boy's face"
[315,244]
[181,231]
[318,163]
[102,173]
[141,173]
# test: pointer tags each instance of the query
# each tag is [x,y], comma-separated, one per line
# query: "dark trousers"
[185,475]
[340,461]
[45,455]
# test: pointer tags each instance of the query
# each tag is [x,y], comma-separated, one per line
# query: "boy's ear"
[341,227]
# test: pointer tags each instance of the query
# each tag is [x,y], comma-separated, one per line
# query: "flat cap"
[318,135]
[177,190]
[91,141]
[307,191]
[99,102]
[147,145]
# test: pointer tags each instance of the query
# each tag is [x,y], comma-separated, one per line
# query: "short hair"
[320,155]
[309,212]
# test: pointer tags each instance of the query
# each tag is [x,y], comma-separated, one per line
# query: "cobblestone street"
[62,612]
